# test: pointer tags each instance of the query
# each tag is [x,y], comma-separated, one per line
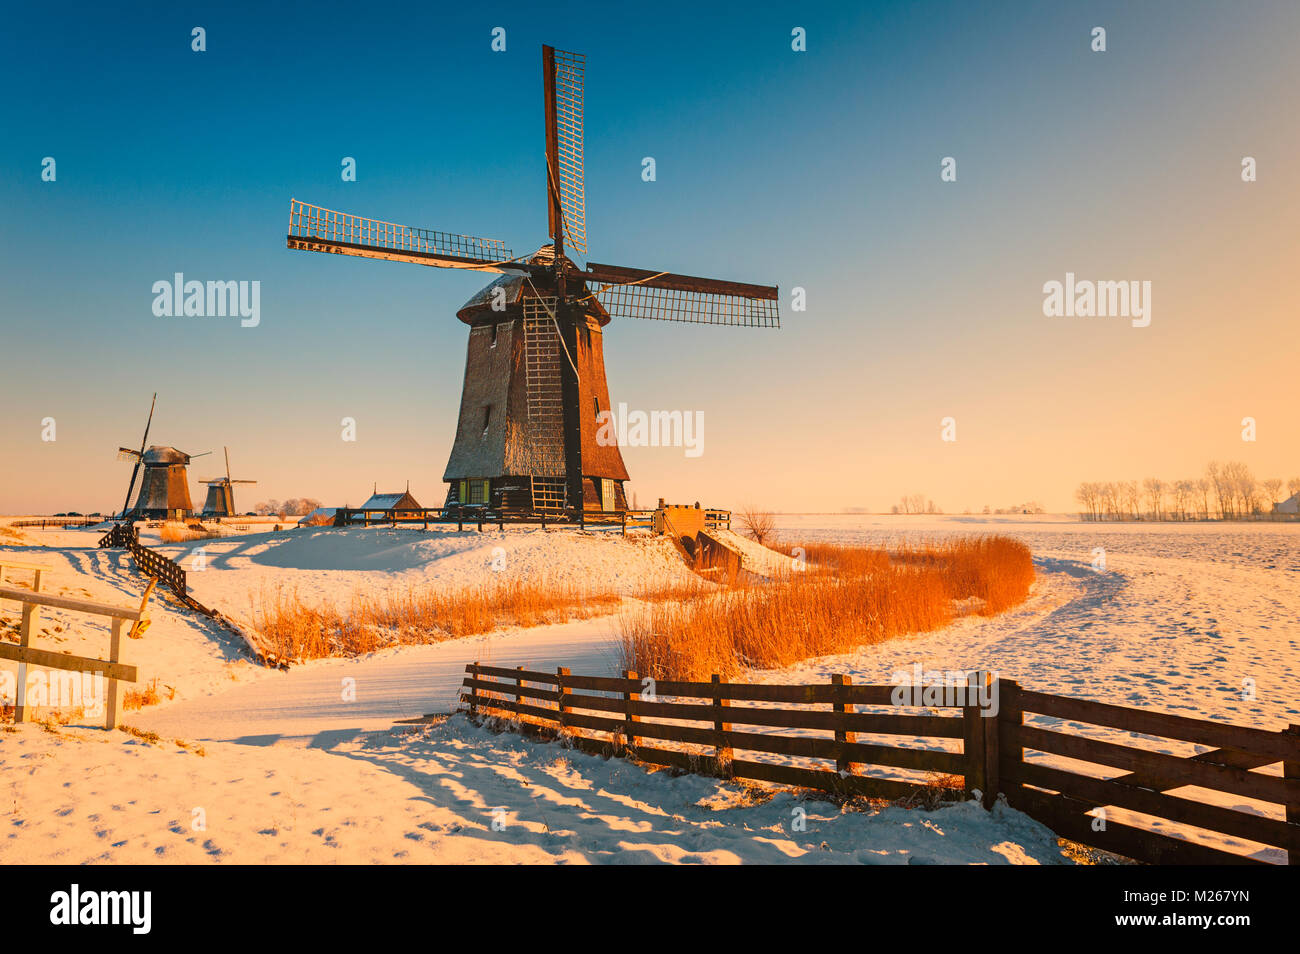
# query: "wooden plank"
[563,691]
[1277,745]
[1291,770]
[30,613]
[1168,771]
[992,774]
[843,737]
[721,728]
[20,565]
[503,673]
[865,785]
[630,718]
[1175,808]
[510,688]
[1063,816]
[52,660]
[973,739]
[114,655]
[63,602]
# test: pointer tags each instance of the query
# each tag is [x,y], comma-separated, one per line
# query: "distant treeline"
[1226,492]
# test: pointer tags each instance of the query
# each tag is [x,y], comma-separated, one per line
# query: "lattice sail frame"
[311,222]
[570,91]
[669,304]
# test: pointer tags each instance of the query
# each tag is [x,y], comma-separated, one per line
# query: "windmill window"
[494,336]
[487,416]
[596,401]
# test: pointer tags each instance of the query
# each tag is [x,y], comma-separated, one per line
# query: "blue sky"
[816,169]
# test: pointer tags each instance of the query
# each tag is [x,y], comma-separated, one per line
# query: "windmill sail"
[125,454]
[314,229]
[664,296]
[566,80]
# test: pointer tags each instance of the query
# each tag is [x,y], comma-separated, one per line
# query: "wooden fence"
[613,716]
[149,563]
[1065,800]
[630,722]
[58,523]
[112,668]
[36,569]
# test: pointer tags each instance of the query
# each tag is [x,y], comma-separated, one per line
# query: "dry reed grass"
[179,533]
[295,629]
[848,597]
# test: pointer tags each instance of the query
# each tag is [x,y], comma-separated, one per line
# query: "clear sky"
[817,169]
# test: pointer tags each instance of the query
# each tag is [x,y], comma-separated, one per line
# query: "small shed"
[391,506]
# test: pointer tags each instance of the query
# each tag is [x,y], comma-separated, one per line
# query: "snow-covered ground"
[1178,620]
[454,794]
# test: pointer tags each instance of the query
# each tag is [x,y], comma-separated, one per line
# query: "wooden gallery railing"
[112,669]
[1012,741]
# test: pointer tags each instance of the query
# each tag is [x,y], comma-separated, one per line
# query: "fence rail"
[613,715]
[112,668]
[44,523]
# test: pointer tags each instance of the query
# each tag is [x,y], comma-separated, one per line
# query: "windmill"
[125,453]
[164,489]
[220,501]
[529,433]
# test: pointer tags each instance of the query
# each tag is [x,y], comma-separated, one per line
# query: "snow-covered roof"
[158,454]
[402,500]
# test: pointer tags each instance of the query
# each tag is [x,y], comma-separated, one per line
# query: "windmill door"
[606,494]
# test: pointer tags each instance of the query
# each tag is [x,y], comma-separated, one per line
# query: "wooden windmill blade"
[314,229]
[664,296]
[125,454]
[565,78]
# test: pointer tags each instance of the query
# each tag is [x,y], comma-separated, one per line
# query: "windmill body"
[164,489]
[509,448]
[220,501]
[534,386]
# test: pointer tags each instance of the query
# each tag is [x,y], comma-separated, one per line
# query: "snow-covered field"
[298,769]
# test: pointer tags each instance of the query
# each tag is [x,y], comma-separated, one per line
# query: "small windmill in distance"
[220,501]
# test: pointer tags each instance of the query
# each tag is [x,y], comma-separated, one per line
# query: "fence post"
[722,751]
[1291,770]
[1010,718]
[973,737]
[842,735]
[992,771]
[473,690]
[562,691]
[114,656]
[519,696]
[630,717]
[30,611]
